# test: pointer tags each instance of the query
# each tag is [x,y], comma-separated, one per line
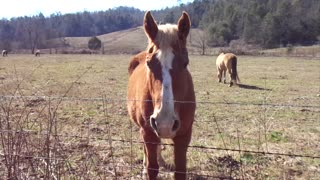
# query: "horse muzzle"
[165,128]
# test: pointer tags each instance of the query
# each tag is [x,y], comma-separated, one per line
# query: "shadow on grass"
[245,86]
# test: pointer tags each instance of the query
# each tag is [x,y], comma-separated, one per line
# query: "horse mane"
[166,35]
[136,60]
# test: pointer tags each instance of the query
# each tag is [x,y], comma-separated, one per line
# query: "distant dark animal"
[37,53]
[227,62]
[161,97]
[4,53]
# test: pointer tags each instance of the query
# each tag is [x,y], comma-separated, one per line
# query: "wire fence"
[165,144]
[57,164]
[107,100]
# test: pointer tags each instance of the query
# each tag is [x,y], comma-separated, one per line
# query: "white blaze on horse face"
[165,121]
[166,116]
[166,59]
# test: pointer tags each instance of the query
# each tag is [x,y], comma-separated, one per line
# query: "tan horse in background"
[161,98]
[227,62]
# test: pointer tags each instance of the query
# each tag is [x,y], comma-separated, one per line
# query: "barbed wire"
[165,144]
[32,157]
[64,98]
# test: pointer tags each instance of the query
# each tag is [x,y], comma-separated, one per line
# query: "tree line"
[267,23]
[33,32]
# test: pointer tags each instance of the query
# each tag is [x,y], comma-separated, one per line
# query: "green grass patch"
[276,136]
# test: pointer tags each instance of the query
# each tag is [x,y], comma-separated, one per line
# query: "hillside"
[128,41]
[134,40]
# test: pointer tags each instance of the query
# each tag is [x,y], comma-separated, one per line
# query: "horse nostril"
[176,125]
[153,123]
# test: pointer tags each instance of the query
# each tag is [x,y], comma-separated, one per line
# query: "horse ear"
[150,26]
[184,25]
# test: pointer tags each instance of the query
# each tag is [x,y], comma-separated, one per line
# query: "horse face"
[168,56]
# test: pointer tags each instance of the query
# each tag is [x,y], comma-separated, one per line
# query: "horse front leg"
[151,166]
[180,157]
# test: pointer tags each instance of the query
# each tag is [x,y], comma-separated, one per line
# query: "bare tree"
[37,33]
[32,32]
[201,42]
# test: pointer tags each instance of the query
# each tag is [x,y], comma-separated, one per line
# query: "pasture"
[65,117]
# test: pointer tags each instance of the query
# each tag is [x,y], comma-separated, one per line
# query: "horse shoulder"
[136,60]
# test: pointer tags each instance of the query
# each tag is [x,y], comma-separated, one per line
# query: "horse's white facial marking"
[165,116]
[164,119]
[166,59]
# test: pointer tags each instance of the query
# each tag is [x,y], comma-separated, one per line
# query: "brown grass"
[123,42]
[76,133]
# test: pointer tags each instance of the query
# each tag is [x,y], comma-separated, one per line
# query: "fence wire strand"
[64,98]
[164,144]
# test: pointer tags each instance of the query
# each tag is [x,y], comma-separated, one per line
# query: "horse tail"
[234,74]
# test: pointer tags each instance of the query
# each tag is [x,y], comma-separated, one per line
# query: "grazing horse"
[227,62]
[37,53]
[161,98]
[4,53]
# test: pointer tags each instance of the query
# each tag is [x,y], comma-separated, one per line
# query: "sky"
[16,8]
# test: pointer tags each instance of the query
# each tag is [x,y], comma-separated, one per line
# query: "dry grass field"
[122,42]
[65,117]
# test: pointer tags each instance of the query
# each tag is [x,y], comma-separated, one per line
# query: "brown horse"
[161,98]
[4,53]
[227,62]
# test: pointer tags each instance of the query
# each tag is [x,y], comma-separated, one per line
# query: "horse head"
[167,56]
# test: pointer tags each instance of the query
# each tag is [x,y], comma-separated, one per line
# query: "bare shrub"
[240,47]
[29,135]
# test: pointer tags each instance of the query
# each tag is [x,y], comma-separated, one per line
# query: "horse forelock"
[167,34]
[166,37]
